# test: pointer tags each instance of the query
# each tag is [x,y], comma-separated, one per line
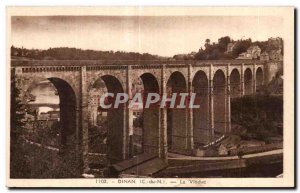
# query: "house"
[137,109]
[264,56]
[46,120]
[54,114]
[230,47]
[244,56]
[275,55]
[137,86]
[253,52]
[275,43]
[189,56]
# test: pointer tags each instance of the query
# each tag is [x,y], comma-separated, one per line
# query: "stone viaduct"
[173,130]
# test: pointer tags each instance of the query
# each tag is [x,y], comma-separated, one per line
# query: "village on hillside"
[226,48]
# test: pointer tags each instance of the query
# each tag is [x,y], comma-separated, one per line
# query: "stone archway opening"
[52,127]
[106,125]
[200,86]
[97,126]
[235,84]
[145,136]
[52,111]
[259,80]
[219,99]
[248,82]
[67,107]
[176,117]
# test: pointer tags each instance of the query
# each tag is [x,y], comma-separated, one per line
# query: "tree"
[259,114]
[207,43]
[18,165]
[240,47]
[223,42]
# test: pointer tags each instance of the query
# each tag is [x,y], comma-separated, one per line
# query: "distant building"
[137,86]
[45,120]
[189,56]
[230,47]
[137,109]
[54,115]
[50,115]
[275,55]
[264,56]
[244,56]
[94,103]
[179,56]
[275,43]
[253,52]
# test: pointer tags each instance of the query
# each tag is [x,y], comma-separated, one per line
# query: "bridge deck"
[16,62]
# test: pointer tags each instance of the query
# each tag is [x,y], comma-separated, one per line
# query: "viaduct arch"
[179,130]
[200,86]
[150,137]
[176,117]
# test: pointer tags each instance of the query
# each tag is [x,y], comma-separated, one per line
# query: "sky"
[161,35]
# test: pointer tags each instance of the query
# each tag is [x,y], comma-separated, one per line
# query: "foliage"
[66,53]
[97,139]
[18,167]
[260,115]
[214,51]
[223,42]
[218,51]
[44,163]
[241,46]
[33,161]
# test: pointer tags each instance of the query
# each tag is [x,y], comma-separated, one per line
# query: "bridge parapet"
[32,63]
